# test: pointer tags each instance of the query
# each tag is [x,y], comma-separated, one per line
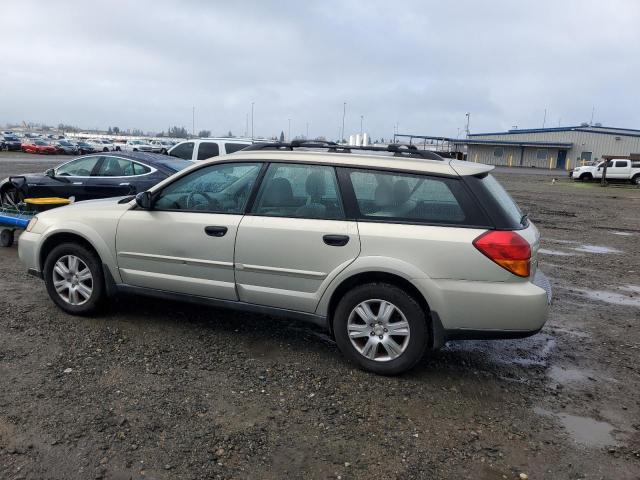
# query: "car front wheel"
[381,328]
[74,279]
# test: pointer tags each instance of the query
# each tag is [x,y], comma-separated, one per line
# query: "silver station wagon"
[395,251]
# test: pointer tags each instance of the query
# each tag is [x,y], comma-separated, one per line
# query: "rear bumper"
[487,310]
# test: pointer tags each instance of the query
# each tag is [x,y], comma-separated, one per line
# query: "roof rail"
[397,150]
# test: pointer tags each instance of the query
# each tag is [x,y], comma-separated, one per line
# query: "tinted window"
[407,197]
[502,198]
[184,151]
[222,188]
[234,147]
[299,191]
[81,167]
[208,150]
[621,164]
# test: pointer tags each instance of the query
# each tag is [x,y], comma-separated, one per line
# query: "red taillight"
[507,249]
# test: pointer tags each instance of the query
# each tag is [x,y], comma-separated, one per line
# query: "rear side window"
[208,150]
[234,147]
[621,163]
[184,151]
[413,198]
[498,204]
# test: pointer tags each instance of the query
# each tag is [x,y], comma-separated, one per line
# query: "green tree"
[281,137]
[204,133]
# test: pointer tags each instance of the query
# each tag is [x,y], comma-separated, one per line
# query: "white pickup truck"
[617,169]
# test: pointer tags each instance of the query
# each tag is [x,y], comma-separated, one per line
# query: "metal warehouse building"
[562,147]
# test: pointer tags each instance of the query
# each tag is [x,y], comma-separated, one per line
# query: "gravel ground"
[157,389]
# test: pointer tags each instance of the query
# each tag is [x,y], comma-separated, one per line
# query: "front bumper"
[28,252]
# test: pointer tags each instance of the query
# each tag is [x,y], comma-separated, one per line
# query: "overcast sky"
[422,64]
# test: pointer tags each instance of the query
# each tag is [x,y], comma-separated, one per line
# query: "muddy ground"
[157,389]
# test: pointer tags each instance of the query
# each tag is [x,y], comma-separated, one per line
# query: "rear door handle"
[336,240]
[215,231]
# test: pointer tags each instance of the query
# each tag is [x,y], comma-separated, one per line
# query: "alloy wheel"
[378,330]
[73,280]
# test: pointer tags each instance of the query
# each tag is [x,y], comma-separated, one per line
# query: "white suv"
[393,255]
[205,148]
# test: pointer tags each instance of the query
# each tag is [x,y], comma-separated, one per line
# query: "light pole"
[252,103]
[361,122]
[344,113]
[193,121]
[468,115]
[289,130]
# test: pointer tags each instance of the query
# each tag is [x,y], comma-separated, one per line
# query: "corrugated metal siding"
[597,143]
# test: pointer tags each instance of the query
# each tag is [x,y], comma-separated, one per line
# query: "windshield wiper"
[523,219]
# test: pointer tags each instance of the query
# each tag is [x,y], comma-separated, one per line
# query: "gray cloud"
[423,64]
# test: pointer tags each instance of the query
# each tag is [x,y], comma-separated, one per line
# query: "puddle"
[546,251]
[596,249]
[614,298]
[631,288]
[583,430]
[557,240]
[577,333]
[569,375]
[623,234]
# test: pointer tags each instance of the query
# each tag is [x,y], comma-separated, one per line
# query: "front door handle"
[215,231]
[336,240]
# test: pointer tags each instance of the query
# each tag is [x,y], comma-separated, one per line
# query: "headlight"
[32,223]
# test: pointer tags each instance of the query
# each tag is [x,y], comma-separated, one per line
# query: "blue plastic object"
[14,220]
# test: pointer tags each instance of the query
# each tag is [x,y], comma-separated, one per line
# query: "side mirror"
[143,200]
[50,172]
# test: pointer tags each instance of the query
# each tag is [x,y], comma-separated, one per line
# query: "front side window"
[207,150]
[78,168]
[398,196]
[184,151]
[222,188]
[299,191]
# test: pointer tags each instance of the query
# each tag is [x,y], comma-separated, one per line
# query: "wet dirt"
[163,390]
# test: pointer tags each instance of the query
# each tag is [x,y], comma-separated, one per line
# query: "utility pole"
[468,115]
[344,113]
[246,127]
[544,119]
[252,103]
[193,121]
[361,121]
[289,130]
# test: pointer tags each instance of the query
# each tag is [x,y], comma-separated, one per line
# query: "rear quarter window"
[410,198]
[502,210]
[234,147]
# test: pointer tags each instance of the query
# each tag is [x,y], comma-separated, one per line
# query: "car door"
[295,240]
[115,176]
[69,179]
[620,170]
[183,151]
[185,243]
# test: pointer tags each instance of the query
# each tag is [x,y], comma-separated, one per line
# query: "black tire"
[105,149]
[6,237]
[91,260]
[413,312]
[586,177]
[117,149]
[636,180]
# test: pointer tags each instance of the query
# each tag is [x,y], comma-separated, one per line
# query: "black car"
[65,147]
[93,176]
[10,142]
[84,148]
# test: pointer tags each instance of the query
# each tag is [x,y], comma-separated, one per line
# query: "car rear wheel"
[74,279]
[381,328]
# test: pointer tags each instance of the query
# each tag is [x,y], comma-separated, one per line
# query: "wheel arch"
[58,238]
[374,276]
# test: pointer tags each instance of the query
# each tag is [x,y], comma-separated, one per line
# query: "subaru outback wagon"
[395,251]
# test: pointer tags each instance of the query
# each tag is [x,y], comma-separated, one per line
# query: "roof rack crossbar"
[397,150]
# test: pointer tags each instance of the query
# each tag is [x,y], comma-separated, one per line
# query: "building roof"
[505,143]
[628,132]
